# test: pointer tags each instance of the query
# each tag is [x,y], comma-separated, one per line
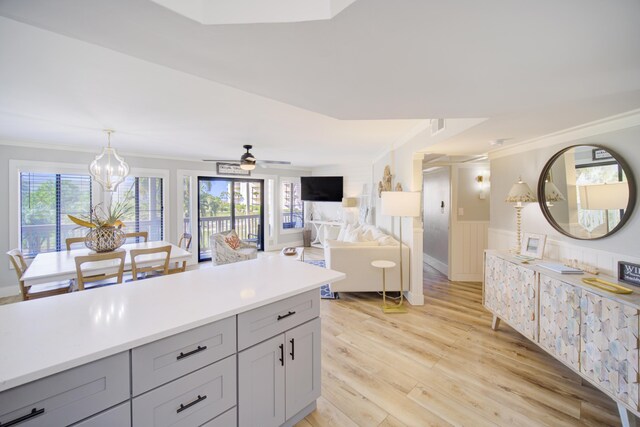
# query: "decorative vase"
[105,239]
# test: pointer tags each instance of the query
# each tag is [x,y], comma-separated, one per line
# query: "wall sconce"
[480,179]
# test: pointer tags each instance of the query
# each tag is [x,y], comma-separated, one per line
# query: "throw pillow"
[232,240]
[354,235]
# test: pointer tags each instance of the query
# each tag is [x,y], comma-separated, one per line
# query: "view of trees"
[39,213]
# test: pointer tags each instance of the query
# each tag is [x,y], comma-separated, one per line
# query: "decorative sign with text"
[629,273]
[601,154]
[231,169]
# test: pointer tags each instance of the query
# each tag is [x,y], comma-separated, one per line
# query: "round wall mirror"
[586,192]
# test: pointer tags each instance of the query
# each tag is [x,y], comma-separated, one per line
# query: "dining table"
[57,266]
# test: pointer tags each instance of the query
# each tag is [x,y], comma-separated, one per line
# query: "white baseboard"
[466,278]
[437,264]
[8,291]
[414,298]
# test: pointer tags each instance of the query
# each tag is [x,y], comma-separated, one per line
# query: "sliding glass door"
[226,204]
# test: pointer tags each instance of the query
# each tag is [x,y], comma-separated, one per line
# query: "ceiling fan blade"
[218,160]
[274,162]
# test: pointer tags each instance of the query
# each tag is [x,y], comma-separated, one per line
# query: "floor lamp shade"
[401,203]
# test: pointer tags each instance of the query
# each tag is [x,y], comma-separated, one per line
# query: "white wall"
[621,134]
[17,151]
[405,159]
[357,183]
[436,191]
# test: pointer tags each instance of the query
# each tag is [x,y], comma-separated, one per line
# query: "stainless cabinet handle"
[191,353]
[34,413]
[284,316]
[190,404]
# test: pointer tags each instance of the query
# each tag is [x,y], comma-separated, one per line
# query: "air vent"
[437,125]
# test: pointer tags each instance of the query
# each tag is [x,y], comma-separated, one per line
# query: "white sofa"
[354,259]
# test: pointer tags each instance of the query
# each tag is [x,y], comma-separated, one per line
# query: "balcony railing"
[42,237]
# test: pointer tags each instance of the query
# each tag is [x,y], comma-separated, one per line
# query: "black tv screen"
[321,188]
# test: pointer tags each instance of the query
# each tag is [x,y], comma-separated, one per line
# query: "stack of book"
[560,268]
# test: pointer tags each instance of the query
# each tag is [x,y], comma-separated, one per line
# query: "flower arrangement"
[101,217]
[105,225]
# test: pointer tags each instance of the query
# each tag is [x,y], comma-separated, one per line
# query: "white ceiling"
[211,12]
[530,68]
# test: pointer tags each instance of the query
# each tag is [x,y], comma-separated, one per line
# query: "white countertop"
[49,335]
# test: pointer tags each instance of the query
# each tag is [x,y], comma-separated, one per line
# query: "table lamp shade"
[520,193]
[401,203]
[349,202]
[604,196]
[552,193]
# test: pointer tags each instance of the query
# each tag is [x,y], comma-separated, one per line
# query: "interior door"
[226,204]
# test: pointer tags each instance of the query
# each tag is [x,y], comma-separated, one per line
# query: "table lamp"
[400,204]
[606,197]
[520,193]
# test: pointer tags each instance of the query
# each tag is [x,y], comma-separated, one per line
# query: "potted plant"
[105,225]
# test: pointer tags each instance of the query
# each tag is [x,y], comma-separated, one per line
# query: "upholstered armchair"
[222,253]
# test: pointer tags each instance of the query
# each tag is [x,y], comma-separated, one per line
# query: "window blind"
[147,205]
[45,201]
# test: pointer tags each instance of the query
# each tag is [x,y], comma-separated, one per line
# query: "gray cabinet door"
[119,416]
[261,384]
[302,366]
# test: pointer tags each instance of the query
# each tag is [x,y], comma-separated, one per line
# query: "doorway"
[226,204]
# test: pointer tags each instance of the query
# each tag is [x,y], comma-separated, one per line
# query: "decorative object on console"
[398,187]
[520,193]
[108,168]
[385,184]
[629,273]
[600,195]
[400,204]
[606,286]
[560,268]
[533,245]
[581,266]
[349,202]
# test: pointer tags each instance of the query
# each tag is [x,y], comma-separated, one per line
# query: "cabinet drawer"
[119,416]
[228,419]
[69,396]
[162,361]
[191,400]
[265,322]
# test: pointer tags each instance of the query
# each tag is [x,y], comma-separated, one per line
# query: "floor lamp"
[520,193]
[400,204]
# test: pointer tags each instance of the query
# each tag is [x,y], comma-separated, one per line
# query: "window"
[292,206]
[45,201]
[146,197]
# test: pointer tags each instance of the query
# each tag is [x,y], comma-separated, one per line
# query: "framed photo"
[533,245]
[231,169]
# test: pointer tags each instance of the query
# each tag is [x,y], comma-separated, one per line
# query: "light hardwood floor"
[441,364]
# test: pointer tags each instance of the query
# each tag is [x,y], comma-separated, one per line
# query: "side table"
[383,265]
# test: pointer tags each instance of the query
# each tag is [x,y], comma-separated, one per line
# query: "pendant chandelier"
[108,168]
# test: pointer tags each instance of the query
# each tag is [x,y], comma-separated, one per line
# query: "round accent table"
[383,265]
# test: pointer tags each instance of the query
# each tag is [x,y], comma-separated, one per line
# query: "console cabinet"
[593,332]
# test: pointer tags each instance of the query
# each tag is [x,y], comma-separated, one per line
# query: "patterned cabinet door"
[560,320]
[521,300]
[495,280]
[609,346]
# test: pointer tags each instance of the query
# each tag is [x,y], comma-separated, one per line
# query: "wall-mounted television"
[321,188]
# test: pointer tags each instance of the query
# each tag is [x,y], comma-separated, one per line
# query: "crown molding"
[586,130]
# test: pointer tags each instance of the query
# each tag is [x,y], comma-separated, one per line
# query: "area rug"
[325,290]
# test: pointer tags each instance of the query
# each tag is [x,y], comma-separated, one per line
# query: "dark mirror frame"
[625,168]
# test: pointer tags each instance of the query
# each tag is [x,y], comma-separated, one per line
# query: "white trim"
[435,263]
[278,217]
[586,130]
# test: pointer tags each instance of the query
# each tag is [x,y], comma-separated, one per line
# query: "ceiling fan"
[248,161]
